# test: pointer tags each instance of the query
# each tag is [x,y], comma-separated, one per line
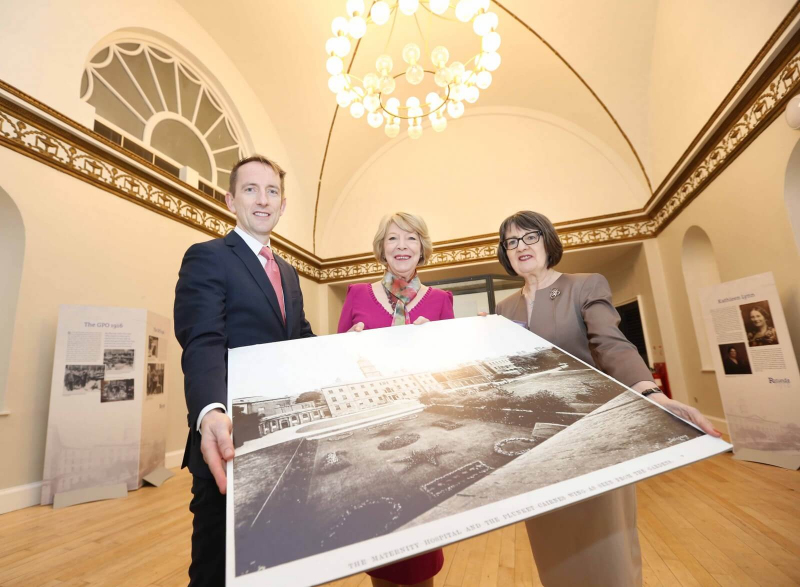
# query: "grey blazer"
[581,320]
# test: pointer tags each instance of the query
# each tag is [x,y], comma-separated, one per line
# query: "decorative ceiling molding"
[26,127]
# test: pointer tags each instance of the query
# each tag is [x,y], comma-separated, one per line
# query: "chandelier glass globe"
[371,102]
[384,64]
[387,85]
[455,109]
[357,109]
[339,26]
[490,42]
[439,56]
[371,82]
[380,13]
[334,65]
[408,7]
[411,53]
[344,98]
[358,27]
[415,74]
[393,106]
[483,80]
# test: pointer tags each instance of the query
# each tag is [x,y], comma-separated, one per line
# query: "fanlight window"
[162,109]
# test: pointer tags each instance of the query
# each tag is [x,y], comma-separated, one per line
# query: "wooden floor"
[719,522]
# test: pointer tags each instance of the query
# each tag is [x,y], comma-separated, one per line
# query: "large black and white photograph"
[152,347]
[82,378]
[118,361]
[155,378]
[116,390]
[393,436]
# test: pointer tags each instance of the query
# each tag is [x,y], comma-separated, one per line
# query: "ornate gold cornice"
[26,127]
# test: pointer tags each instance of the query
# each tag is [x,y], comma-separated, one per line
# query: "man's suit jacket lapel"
[250,261]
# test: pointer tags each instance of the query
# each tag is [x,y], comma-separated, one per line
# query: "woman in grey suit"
[594,542]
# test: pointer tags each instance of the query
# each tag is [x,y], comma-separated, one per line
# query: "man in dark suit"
[231,292]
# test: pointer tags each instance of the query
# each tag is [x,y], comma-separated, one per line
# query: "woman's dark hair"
[528,221]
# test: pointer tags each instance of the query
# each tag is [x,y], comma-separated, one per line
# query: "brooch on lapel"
[554,293]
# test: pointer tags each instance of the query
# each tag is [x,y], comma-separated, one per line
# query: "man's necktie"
[274,275]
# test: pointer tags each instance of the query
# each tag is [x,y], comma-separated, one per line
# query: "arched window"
[158,106]
[792,192]
[699,271]
[12,248]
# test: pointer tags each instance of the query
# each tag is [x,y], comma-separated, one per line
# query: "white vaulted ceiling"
[592,106]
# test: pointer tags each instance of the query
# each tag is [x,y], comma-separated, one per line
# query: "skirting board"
[21,496]
[173,459]
[25,496]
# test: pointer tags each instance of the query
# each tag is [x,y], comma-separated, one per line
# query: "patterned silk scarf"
[400,293]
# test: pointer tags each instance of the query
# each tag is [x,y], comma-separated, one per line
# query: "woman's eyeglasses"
[530,238]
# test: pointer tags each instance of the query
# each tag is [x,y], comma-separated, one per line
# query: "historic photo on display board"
[118,360]
[152,347]
[758,324]
[116,390]
[734,359]
[82,378]
[365,448]
[155,378]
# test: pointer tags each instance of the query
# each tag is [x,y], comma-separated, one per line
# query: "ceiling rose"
[458,81]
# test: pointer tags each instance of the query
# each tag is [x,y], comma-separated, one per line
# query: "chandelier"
[458,81]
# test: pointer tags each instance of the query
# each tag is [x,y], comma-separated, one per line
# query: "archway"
[791,191]
[699,270]
[12,250]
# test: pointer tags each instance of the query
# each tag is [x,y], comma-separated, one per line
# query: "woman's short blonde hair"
[407,222]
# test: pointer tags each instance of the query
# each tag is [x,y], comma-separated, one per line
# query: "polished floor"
[719,522]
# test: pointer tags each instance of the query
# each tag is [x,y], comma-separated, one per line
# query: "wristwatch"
[651,391]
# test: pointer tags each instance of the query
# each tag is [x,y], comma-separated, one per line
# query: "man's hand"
[217,445]
[357,327]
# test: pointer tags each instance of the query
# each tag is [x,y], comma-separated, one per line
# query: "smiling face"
[526,259]
[402,250]
[757,319]
[258,202]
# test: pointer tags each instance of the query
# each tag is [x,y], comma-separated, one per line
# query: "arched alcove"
[792,192]
[699,270]
[12,249]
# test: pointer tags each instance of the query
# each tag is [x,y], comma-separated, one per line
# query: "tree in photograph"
[310,396]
